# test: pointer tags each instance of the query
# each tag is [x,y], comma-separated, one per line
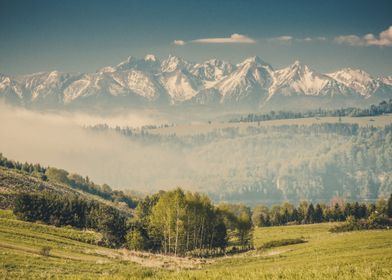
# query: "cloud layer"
[282,39]
[243,39]
[384,39]
[233,39]
[289,39]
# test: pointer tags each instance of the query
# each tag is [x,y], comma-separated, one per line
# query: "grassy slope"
[20,243]
[355,255]
[15,181]
[205,128]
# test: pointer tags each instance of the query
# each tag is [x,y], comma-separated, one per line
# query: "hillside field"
[324,255]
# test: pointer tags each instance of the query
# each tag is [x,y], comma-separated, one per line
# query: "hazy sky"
[85,35]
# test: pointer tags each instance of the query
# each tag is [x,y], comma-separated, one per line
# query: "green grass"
[325,255]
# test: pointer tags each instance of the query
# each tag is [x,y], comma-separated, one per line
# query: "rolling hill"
[325,255]
[14,181]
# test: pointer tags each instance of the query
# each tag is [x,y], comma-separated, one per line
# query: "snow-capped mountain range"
[174,81]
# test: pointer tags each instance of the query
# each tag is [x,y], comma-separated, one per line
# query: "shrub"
[135,240]
[281,242]
[45,251]
[373,222]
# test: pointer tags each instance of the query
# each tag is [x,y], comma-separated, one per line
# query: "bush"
[281,242]
[135,240]
[45,251]
[373,222]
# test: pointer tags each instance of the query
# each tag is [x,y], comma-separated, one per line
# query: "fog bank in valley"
[251,164]
[59,140]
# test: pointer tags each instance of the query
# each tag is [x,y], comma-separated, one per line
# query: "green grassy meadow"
[325,255]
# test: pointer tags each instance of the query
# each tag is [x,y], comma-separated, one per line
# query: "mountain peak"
[355,71]
[126,64]
[254,60]
[214,61]
[351,74]
[150,57]
[298,64]
[172,63]
[299,67]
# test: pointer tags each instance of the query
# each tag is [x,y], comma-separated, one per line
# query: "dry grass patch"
[163,261]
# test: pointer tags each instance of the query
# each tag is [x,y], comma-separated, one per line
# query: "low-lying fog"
[270,164]
[59,140]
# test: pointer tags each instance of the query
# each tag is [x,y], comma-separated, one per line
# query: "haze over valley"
[270,161]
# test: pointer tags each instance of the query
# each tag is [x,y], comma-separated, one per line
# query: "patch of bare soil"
[163,261]
[275,252]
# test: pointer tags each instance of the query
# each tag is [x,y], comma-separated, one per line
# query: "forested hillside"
[375,110]
[17,177]
[272,164]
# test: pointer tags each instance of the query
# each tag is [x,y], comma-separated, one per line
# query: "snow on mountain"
[212,70]
[356,79]
[149,63]
[47,87]
[78,88]
[126,64]
[180,85]
[173,63]
[93,85]
[387,80]
[174,80]
[10,89]
[139,82]
[298,78]
[150,57]
[250,81]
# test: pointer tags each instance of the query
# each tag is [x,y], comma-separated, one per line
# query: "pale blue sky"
[85,35]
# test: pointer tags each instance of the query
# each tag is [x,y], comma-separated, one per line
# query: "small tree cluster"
[73,211]
[179,223]
[380,218]
[238,219]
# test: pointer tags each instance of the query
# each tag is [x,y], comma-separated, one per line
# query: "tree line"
[385,107]
[308,213]
[185,223]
